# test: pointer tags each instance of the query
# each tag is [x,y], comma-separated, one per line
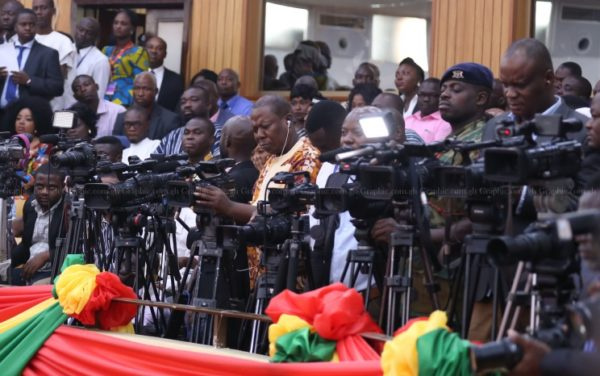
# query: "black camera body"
[520,159]
[551,239]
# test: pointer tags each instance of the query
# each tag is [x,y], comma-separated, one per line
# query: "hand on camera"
[533,352]
[382,229]
[213,198]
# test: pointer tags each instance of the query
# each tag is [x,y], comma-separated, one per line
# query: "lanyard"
[84,56]
[113,59]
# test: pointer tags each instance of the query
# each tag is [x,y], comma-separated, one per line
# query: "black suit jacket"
[162,121]
[170,91]
[20,253]
[43,67]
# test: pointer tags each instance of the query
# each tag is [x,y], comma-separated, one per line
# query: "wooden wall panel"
[62,21]
[476,30]
[227,34]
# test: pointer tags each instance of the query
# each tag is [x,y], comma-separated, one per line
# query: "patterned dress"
[125,64]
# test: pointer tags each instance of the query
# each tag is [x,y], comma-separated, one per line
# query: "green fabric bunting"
[303,346]
[443,353]
[19,344]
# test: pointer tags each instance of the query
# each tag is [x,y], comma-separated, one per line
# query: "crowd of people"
[129,106]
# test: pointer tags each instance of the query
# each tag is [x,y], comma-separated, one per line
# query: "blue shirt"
[238,105]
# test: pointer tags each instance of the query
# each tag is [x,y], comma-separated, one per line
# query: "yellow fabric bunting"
[26,315]
[399,356]
[75,286]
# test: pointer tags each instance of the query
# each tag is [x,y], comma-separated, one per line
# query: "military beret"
[471,73]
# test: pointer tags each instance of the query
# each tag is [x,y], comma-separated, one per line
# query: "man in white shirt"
[86,91]
[136,127]
[8,18]
[44,11]
[89,59]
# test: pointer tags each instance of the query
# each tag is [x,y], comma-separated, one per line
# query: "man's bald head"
[237,139]
[389,101]
[528,78]
[534,50]
[86,32]
[144,89]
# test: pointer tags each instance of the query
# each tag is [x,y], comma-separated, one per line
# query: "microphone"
[329,156]
[355,153]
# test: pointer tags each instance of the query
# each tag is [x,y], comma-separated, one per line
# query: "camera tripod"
[282,267]
[82,232]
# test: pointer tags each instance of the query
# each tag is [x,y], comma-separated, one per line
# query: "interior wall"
[476,30]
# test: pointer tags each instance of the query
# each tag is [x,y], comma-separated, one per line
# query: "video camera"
[273,224]
[180,193]
[577,327]
[12,155]
[551,239]
[519,159]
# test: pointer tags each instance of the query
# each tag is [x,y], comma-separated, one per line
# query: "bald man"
[528,77]
[162,121]
[169,84]
[90,60]
[237,142]
[228,85]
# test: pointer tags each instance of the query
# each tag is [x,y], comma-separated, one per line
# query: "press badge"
[111,88]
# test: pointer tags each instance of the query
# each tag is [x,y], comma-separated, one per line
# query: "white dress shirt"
[142,149]
[8,58]
[94,63]
[66,56]
[159,74]
[107,116]
[344,240]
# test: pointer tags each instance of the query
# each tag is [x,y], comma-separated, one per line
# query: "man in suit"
[28,67]
[42,222]
[162,121]
[169,83]
[528,77]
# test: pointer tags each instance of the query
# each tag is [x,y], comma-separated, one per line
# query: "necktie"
[11,89]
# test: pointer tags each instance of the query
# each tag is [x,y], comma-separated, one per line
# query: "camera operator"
[43,216]
[324,128]
[465,92]
[273,131]
[528,77]
[538,358]
[109,148]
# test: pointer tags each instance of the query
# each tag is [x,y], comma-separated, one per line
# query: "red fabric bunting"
[335,311]
[72,351]
[355,348]
[100,306]
[14,300]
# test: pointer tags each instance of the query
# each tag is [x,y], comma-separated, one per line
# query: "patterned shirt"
[303,156]
[470,132]
[454,207]
[125,65]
